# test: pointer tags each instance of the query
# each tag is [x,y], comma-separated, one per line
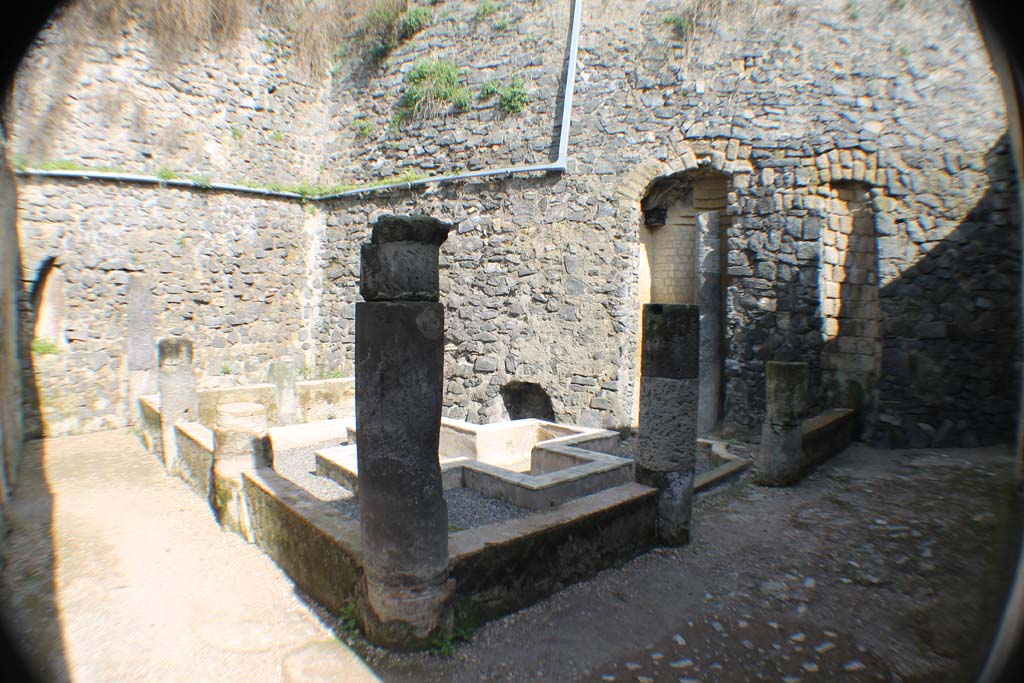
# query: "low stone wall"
[317,546]
[503,567]
[498,568]
[149,425]
[195,455]
[825,435]
[318,400]
[326,399]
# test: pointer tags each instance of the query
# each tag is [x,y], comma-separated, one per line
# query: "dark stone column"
[282,376]
[406,592]
[786,403]
[179,401]
[240,444]
[668,414]
[709,301]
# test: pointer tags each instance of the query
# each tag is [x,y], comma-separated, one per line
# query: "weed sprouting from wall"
[485,9]
[176,27]
[44,347]
[432,87]
[319,29]
[682,25]
[414,20]
[363,127]
[386,24]
[380,30]
[512,95]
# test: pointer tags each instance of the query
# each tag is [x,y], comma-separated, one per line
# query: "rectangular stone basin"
[530,463]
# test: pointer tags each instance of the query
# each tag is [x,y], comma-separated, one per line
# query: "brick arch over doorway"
[669,202]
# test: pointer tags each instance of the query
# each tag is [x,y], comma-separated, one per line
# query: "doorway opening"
[525,400]
[47,298]
[675,210]
[851,311]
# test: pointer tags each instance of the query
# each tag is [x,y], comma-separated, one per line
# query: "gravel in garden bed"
[298,465]
[467,508]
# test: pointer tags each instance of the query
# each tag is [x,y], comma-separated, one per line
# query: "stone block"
[282,375]
[667,450]
[400,262]
[179,400]
[786,392]
[670,341]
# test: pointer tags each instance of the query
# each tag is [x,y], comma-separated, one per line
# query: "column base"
[227,498]
[779,462]
[675,503]
[406,617]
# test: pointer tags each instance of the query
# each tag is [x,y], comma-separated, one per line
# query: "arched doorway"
[851,359]
[680,214]
[47,300]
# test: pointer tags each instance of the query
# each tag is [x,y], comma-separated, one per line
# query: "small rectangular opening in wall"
[656,217]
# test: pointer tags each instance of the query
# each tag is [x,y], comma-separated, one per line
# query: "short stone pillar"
[406,595]
[666,456]
[786,384]
[141,342]
[709,301]
[179,400]
[282,375]
[240,444]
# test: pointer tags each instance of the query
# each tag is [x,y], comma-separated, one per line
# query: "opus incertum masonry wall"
[789,111]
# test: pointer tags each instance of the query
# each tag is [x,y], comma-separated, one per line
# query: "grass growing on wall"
[177,27]
[485,9]
[512,95]
[44,347]
[163,173]
[415,20]
[377,34]
[433,86]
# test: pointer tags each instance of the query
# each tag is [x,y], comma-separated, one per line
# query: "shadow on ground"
[28,582]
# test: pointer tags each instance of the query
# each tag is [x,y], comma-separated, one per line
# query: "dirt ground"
[880,566]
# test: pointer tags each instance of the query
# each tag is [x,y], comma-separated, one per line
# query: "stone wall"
[542,280]
[11,424]
[231,273]
[239,110]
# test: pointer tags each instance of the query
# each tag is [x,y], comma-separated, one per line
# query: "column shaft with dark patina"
[406,593]
[179,400]
[786,384]
[668,414]
[709,301]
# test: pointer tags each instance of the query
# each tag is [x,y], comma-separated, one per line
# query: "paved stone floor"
[880,566]
[116,572]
